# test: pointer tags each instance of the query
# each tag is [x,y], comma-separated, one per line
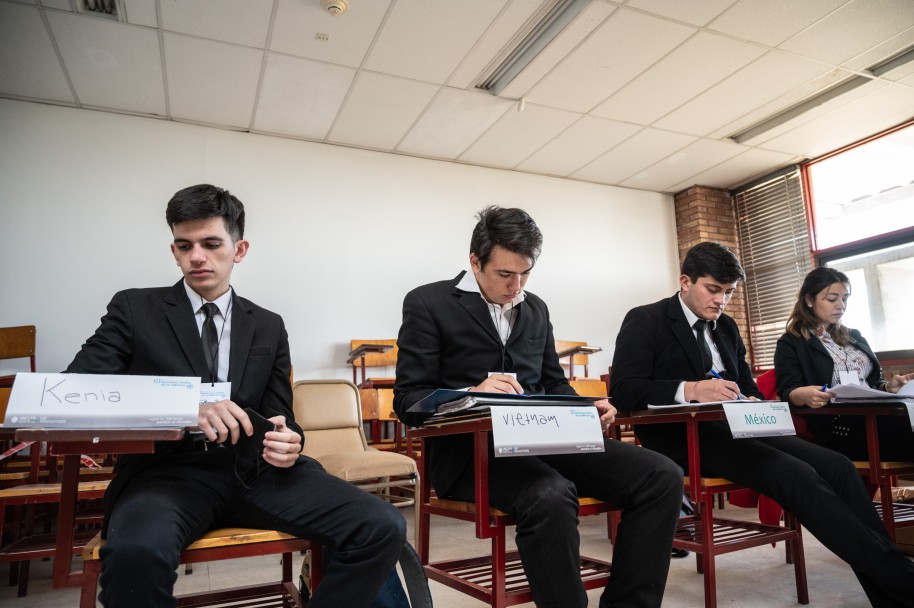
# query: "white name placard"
[759,419]
[92,401]
[529,430]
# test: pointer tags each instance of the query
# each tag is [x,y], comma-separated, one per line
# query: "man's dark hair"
[511,228]
[204,201]
[713,260]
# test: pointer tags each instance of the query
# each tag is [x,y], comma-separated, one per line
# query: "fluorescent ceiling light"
[874,71]
[540,34]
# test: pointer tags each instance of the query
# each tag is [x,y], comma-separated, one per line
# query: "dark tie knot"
[210,310]
[700,325]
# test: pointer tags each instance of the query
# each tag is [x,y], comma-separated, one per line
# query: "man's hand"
[222,419]
[499,383]
[607,413]
[282,446]
[711,390]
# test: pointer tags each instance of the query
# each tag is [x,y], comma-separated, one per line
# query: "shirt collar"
[468,283]
[690,316]
[196,300]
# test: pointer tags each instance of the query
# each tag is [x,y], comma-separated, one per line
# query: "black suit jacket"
[805,362]
[448,340]
[656,350]
[153,332]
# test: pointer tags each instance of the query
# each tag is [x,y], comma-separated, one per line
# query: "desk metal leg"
[65,523]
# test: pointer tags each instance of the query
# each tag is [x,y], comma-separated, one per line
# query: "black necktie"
[706,361]
[210,340]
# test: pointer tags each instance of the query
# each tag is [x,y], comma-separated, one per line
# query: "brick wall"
[708,214]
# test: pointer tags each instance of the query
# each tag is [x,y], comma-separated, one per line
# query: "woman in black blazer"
[814,352]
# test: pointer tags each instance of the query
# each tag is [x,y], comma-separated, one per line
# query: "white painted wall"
[338,235]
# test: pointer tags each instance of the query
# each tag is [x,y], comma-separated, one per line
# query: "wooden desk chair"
[365,354]
[25,547]
[220,544]
[17,343]
[497,579]
[330,416]
[576,353]
[708,536]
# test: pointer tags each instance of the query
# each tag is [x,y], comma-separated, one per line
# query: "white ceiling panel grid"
[638,93]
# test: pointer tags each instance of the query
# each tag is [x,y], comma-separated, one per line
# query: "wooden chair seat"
[219,544]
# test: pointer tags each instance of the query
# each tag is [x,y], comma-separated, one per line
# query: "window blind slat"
[775,255]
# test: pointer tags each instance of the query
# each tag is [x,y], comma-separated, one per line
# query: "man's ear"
[475,264]
[684,282]
[241,250]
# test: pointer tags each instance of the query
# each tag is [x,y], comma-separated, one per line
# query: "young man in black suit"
[158,504]
[482,332]
[659,360]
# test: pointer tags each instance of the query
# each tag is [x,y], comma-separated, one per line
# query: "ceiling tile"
[453,121]
[848,123]
[517,135]
[578,145]
[300,97]
[141,12]
[698,64]
[576,31]
[349,35]
[884,51]
[626,44]
[427,40]
[111,64]
[771,22]
[27,50]
[211,82]
[741,93]
[859,25]
[741,169]
[500,34]
[380,109]
[633,155]
[696,12]
[691,160]
[240,21]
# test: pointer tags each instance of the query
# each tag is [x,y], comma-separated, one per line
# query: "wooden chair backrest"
[18,342]
[376,359]
[589,387]
[580,359]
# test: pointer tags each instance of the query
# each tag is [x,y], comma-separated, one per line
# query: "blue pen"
[714,373]
[824,387]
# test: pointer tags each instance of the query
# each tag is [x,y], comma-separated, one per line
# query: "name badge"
[530,430]
[759,419]
[213,392]
[849,378]
[94,401]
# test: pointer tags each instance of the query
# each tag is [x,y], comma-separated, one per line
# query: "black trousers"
[169,505]
[818,485]
[541,493]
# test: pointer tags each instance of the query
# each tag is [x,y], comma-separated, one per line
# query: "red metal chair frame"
[497,579]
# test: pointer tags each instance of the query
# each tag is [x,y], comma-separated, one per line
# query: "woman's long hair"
[803,321]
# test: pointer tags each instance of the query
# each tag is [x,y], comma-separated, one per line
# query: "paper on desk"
[854,391]
[907,390]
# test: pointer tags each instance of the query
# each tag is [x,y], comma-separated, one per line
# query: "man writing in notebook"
[684,349]
[481,331]
[159,503]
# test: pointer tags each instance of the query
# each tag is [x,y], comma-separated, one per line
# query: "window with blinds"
[774,243]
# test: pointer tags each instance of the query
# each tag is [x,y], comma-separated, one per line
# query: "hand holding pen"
[712,389]
[811,396]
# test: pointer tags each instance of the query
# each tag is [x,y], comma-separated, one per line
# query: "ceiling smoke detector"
[335,7]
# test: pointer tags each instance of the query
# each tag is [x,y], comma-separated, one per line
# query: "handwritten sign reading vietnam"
[528,430]
[94,401]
